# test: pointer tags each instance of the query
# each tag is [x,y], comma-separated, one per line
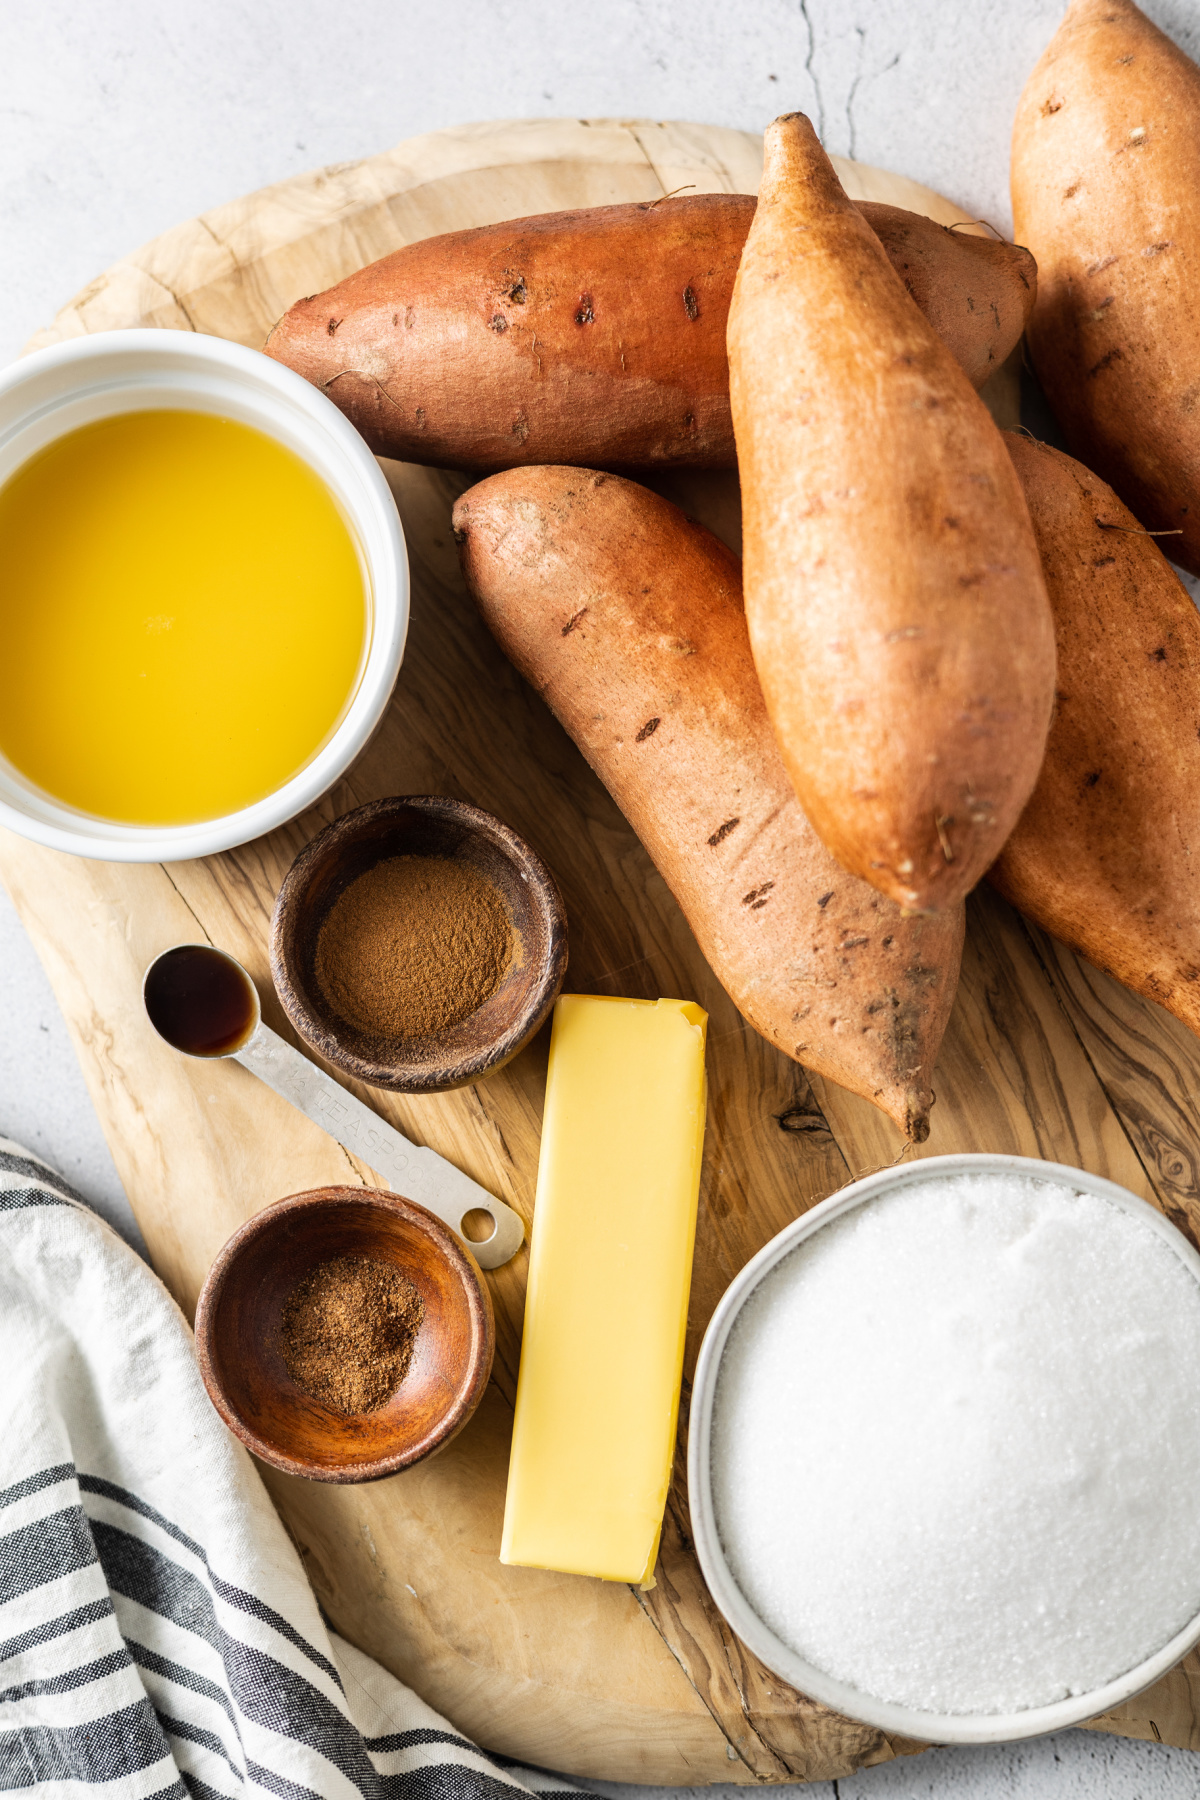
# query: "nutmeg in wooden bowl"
[244,1351]
[418,943]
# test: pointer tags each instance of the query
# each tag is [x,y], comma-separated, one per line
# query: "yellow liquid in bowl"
[182,617]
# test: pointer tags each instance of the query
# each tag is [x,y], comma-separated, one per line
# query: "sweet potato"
[595,336]
[897,611]
[1107,853]
[1106,190]
[627,619]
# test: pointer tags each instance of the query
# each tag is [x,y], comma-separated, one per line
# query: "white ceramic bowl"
[939,1728]
[90,378]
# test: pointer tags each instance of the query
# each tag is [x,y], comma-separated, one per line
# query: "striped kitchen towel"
[157,1634]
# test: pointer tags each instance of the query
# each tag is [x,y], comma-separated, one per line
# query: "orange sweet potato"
[595,336]
[896,605]
[1107,853]
[627,619]
[1106,190]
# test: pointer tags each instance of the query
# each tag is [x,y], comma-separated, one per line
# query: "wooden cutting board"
[1043,1057]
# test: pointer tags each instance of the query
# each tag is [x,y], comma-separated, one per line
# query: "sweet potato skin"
[897,611]
[595,336]
[1106,855]
[627,620]
[1106,191]
[977,292]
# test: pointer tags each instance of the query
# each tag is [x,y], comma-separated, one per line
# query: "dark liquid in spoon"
[200,1001]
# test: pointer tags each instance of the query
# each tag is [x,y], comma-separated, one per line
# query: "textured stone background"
[118,120]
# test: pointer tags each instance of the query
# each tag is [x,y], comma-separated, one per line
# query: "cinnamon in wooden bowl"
[413,946]
[352,1276]
[418,943]
[348,1331]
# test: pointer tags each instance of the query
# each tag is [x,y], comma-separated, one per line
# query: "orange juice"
[183,617]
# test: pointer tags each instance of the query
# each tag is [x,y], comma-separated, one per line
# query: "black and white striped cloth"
[157,1634]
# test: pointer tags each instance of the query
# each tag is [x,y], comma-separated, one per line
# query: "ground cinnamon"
[413,946]
[347,1332]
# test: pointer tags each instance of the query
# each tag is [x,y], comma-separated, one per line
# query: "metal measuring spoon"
[202,1002]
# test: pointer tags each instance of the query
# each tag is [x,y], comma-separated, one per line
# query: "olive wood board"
[1044,1057]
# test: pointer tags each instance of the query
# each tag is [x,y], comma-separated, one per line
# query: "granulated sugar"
[956,1445]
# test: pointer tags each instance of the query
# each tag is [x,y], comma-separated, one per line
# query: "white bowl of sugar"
[944,1456]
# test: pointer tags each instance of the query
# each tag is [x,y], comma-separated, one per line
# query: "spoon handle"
[419,1174]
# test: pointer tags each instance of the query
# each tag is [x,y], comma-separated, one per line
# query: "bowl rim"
[324,1199]
[469,1066]
[316,417]
[841,1696]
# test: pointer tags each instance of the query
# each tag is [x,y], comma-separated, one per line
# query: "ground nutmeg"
[348,1330]
[412,946]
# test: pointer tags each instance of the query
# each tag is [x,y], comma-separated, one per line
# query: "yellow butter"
[609,1271]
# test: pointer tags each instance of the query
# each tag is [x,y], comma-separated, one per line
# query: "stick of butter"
[610,1266]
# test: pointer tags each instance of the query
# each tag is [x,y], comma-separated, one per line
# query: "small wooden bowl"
[421,825]
[240,1353]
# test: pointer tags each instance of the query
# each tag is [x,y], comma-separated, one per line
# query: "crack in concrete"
[811,72]
[852,152]
[850,127]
